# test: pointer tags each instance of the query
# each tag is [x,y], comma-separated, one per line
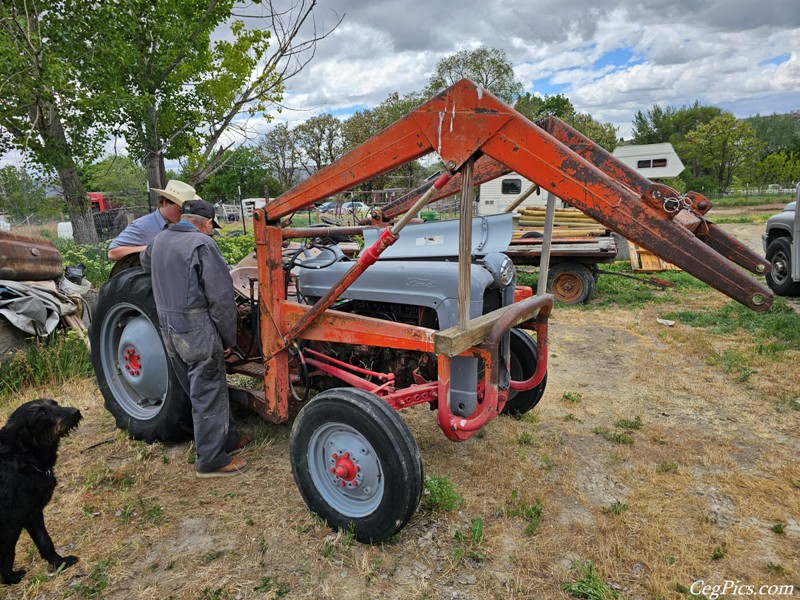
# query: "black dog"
[28,451]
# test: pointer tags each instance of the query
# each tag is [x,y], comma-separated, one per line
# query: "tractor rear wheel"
[356,463]
[131,365]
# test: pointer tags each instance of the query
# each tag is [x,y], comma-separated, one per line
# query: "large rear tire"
[131,365]
[356,463]
[524,358]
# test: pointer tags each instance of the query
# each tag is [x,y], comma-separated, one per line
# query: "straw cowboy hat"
[177,192]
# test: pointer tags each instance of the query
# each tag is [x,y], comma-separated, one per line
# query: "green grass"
[774,331]
[624,292]
[749,200]
[274,585]
[629,423]
[616,508]
[93,585]
[531,514]
[749,219]
[440,494]
[589,584]
[49,361]
[666,466]
[525,439]
[613,436]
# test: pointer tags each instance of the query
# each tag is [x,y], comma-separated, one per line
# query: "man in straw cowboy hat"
[141,231]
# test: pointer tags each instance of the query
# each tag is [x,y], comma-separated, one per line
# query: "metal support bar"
[465,244]
[547,239]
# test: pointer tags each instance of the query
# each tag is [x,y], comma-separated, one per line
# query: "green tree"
[723,146]
[488,67]
[246,173]
[367,123]
[54,107]
[779,167]
[654,126]
[23,196]
[184,94]
[118,176]
[558,105]
[280,152]
[321,140]
[538,107]
[780,133]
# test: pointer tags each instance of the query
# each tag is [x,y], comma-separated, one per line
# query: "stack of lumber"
[644,261]
[569,222]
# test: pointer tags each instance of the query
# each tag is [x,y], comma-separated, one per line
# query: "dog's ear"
[8,436]
[19,431]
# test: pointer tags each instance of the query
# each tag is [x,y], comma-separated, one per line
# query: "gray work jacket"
[192,285]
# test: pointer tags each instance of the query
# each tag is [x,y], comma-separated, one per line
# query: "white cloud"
[611,60]
[683,51]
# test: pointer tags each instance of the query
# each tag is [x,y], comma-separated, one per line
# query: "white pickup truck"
[782,249]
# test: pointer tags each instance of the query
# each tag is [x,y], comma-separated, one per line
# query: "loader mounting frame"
[466,124]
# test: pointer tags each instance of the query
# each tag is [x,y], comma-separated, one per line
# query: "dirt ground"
[708,489]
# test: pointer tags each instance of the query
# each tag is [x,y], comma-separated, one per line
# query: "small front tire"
[356,463]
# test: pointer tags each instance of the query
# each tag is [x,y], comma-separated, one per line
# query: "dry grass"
[710,472]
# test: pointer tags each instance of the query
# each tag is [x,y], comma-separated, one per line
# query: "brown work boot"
[236,466]
[244,440]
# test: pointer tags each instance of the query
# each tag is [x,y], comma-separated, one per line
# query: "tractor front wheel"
[356,463]
[524,358]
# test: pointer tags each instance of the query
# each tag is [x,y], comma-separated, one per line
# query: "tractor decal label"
[419,283]
[431,240]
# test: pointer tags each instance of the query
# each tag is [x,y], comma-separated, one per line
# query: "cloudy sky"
[741,55]
[609,59]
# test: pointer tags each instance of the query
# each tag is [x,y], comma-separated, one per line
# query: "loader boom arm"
[465,121]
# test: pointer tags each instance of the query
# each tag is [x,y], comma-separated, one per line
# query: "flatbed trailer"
[573,263]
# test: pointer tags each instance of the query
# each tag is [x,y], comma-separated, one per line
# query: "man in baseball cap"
[201,208]
[193,290]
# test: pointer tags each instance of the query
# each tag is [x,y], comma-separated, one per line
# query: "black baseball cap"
[201,208]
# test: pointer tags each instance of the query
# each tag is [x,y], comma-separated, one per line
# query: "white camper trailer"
[498,194]
[654,161]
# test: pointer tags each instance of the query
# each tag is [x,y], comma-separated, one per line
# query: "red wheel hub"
[132,360]
[345,469]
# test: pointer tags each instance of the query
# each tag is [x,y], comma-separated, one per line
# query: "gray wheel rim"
[134,362]
[345,470]
[780,267]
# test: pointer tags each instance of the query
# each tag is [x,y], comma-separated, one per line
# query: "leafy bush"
[235,248]
[94,258]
